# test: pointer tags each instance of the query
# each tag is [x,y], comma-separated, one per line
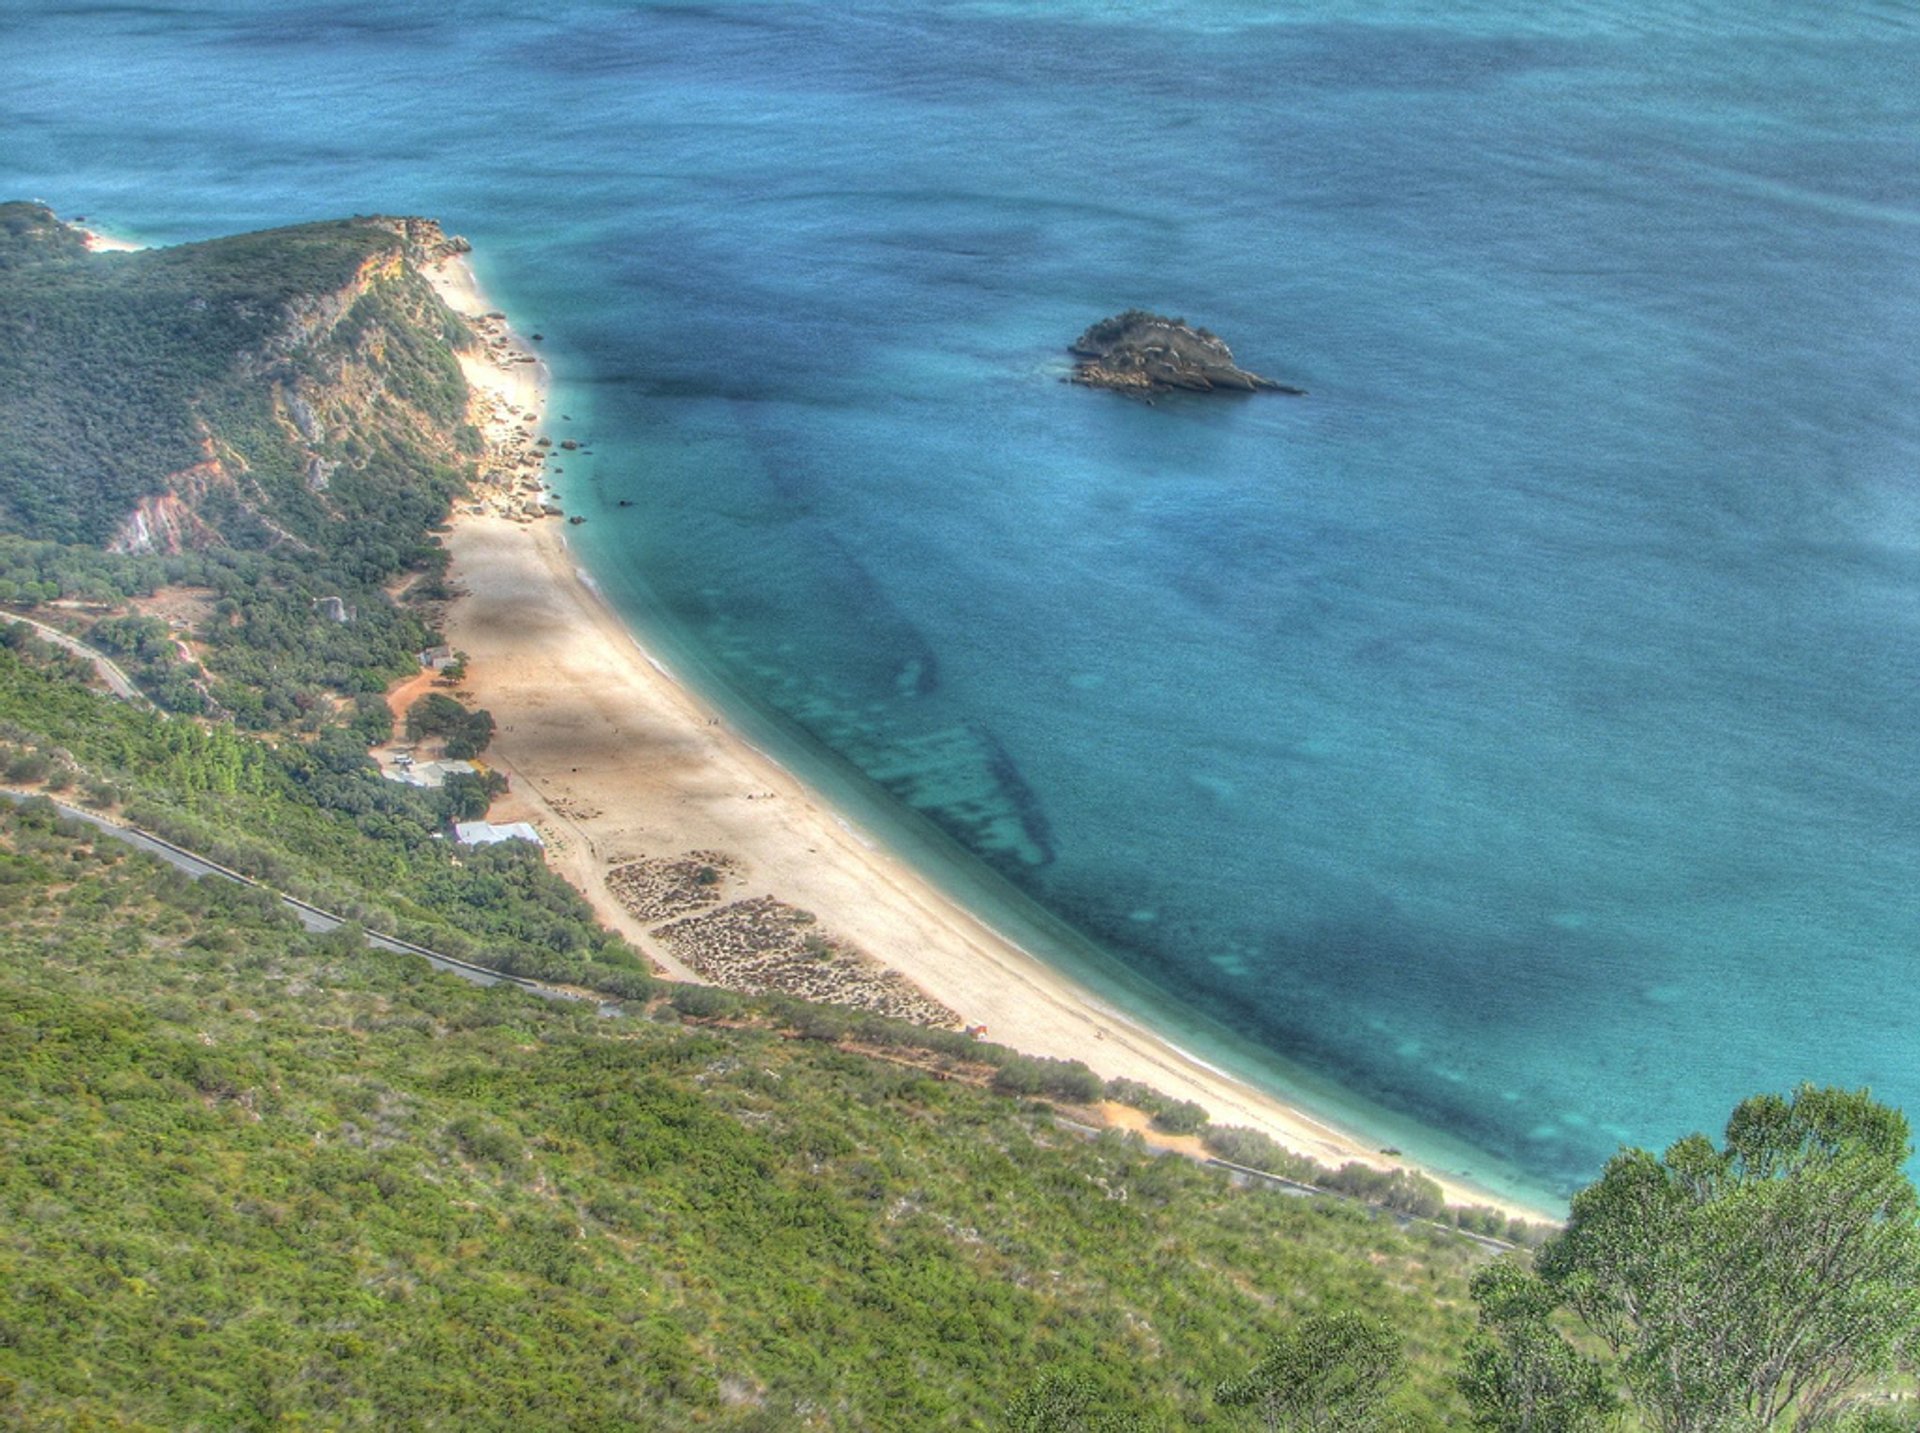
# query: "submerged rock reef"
[1144,353]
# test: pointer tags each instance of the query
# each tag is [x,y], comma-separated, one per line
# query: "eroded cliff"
[254,392]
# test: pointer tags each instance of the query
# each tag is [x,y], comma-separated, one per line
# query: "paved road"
[319,921]
[117,681]
[310,916]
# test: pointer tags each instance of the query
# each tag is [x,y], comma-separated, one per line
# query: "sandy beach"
[689,841]
[99,243]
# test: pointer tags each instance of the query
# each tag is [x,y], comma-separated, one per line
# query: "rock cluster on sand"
[511,475]
[760,943]
[1141,352]
[660,889]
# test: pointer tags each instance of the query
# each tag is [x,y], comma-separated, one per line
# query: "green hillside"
[249,1175]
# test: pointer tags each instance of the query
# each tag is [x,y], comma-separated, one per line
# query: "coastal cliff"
[254,392]
[1144,353]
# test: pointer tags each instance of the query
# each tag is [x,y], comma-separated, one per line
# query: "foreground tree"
[1331,1371]
[1766,1281]
[1521,1375]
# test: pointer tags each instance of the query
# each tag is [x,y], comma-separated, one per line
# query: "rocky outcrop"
[426,242]
[167,522]
[1144,353]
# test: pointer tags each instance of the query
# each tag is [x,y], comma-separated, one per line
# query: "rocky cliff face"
[345,368]
[1144,353]
[254,392]
[170,521]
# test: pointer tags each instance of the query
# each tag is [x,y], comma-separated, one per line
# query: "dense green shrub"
[706,1002]
[1180,1117]
[467,732]
[1398,1189]
[1062,1079]
[28,767]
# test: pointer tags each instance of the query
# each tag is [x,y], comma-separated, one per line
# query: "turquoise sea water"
[1517,735]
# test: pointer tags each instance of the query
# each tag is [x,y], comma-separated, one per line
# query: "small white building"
[485,833]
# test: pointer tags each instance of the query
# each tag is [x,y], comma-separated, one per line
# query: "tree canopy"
[1758,1285]
[1521,1375]
[1330,1371]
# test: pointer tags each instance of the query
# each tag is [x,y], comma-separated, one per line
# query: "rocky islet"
[1146,353]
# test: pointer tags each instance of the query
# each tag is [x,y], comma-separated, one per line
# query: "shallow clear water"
[1517,733]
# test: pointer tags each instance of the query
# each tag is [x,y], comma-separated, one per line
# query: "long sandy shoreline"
[620,766]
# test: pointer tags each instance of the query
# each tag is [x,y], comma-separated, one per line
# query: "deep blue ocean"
[1515,743]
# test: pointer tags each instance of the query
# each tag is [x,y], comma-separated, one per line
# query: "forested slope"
[280,386]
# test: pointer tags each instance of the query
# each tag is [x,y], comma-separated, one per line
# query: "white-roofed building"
[485,833]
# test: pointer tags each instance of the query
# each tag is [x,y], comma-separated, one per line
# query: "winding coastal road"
[118,682]
[310,916]
[320,922]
